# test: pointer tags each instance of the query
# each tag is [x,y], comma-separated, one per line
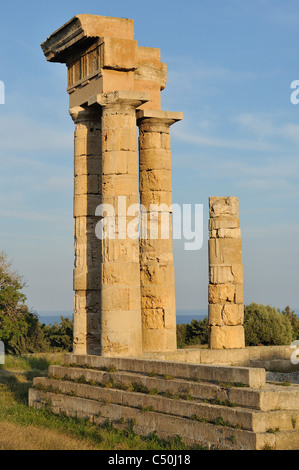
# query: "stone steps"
[247,419]
[252,377]
[160,396]
[167,426]
[271,397]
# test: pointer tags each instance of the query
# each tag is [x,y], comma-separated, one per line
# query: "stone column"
[87,171]
[120,272]
[156,248]
[226,304]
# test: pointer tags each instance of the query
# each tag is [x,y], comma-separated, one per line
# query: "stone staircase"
[219,407]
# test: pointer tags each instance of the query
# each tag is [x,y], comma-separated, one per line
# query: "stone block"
[84,279]
[221,293]
[120,273]
[121,120]
[229,233]
[154,159]
[120,298]
[119,163]
[224,206]
[155,180]
[163,339]
[226,314]
[157,275]
[120,53]
[122,185]
[226,337]
[89,144]
[226,251]
[158,297]
[157,198]
[221,274]
[86,184]
[224,223]
[153,319]
[121,333]
[85,205]
[122,139]
[87,165]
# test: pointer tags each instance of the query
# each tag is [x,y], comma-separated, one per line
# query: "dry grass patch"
[15,437]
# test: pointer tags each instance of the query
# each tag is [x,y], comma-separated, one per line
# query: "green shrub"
[60,336]
[192,333]
[265,325]
[291,315]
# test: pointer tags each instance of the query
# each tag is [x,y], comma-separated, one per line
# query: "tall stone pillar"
[156,247]
[87,172]
[226,304]
[120,273]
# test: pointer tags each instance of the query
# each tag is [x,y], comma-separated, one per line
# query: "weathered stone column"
[87,171]
[156,247]
[226,304]
[120,273]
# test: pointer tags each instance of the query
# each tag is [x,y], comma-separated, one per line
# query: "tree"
[20,329]
[265,325]
[193,333]
[291,315]
[60,336]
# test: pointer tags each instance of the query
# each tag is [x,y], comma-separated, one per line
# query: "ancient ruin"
[125,367]
[124,294]
[226,302]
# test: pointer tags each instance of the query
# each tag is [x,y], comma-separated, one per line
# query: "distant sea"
[183,316]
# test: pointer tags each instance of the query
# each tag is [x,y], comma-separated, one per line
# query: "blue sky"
[230,67]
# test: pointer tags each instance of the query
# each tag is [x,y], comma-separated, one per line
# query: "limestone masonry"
[124,289]
[226,308]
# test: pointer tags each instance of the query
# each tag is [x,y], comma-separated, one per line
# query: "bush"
[264,325]
[60,336]
[291,315]
[193,333]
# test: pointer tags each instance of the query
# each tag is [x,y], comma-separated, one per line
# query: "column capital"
[132,99]
[81,114]
[156,116]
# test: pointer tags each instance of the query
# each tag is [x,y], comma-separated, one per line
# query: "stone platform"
[272,358]
[217,406]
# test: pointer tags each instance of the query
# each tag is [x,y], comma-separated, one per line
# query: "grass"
[24,428]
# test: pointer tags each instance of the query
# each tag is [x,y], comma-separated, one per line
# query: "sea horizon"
[49,317]
[182,316]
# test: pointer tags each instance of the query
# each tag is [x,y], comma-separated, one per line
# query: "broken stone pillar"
[226,303]
[156,251]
